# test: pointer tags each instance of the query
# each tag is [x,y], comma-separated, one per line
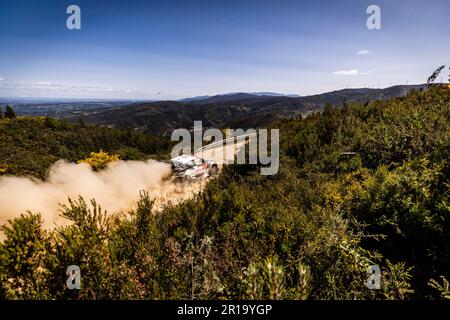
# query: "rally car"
[189,168]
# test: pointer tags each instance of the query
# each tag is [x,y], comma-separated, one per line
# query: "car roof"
[184,158]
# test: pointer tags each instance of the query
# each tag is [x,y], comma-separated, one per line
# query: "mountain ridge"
[241,109]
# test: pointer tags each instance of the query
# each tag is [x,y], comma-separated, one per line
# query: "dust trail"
[115,188]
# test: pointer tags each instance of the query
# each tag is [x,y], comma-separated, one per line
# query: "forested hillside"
[358,185]
[29,145]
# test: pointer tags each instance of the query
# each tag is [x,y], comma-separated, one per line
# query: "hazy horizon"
[94,99]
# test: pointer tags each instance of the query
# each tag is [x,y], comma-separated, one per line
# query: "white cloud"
[351,72]
[43,83]
[363,52]
[1,79]
[73,88]
[49,89]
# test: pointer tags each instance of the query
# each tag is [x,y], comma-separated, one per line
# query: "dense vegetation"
[358,185]
[28,146]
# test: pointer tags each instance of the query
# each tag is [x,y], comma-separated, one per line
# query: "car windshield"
[190,163]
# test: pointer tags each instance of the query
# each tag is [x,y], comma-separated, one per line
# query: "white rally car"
[189,168]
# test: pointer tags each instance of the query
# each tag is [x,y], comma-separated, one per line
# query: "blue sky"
[174,49]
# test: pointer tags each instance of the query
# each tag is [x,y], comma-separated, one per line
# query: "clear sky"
[173,49]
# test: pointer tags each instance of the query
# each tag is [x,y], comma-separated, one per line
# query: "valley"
[232,111]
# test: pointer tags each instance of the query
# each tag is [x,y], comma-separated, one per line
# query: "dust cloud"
[115,188]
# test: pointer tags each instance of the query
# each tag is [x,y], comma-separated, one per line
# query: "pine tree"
[1,112]
[9,112]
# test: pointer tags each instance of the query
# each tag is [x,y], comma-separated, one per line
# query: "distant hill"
[235,96]
[274,94]
[194,99]
[229,97]
[236,110]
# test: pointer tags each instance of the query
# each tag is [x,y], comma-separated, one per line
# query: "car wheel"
[213,170]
